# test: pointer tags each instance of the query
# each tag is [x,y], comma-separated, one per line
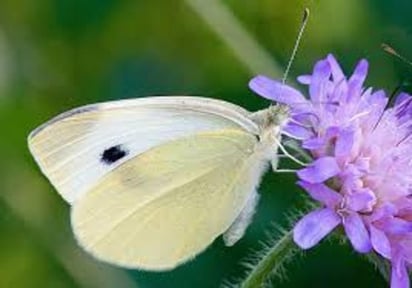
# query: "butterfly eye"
[113,154]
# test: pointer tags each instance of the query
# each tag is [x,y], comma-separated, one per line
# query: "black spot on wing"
[113,154]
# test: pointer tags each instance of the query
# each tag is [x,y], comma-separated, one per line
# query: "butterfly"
[154,181]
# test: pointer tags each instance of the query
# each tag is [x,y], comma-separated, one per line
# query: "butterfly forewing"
[76,149]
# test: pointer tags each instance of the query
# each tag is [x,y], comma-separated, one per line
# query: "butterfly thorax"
[271,122]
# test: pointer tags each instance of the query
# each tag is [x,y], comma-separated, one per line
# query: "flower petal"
[337,72]
[385,210]
[380,242]
[399,277]
[304,79]
[394,225]
[297,131]
[406,213]
[313,143]
[355,82]
[374,104]
[320,170]
[314,227]
[356,231]
[338,95]
[275,90]
[322,193]
[344,144]
[405,246]
[361,200]
[401,98]
[403,109]
[319,81]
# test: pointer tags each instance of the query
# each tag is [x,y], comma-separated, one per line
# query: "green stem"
[271,262]
[380,264]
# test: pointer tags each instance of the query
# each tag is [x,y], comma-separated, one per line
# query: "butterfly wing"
[164,206]
[77,148]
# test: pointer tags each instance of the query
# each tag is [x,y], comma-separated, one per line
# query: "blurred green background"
[58,54]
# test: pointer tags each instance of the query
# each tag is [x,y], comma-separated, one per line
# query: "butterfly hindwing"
[164,206]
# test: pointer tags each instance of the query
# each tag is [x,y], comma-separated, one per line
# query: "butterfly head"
[273,118]
[271,122]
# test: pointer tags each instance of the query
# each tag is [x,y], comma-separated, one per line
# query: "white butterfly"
[153,181]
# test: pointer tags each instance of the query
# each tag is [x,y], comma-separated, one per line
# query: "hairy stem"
[271,262]
[380,264]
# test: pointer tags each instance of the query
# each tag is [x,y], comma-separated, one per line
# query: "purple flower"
[362,168]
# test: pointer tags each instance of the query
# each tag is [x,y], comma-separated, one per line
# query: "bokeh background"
[58,54]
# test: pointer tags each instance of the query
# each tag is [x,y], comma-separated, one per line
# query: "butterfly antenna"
[391,51]
[297,43]
[388,49]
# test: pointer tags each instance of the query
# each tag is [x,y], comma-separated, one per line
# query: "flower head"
[362,159]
